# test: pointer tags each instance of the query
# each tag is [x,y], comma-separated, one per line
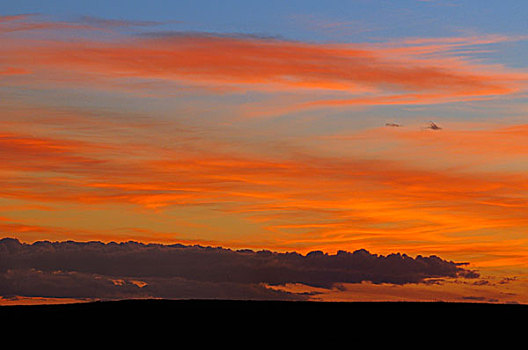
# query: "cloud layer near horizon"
[128,270]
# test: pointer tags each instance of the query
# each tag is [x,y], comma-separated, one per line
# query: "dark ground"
[190,324]
[265,306]
[216,311]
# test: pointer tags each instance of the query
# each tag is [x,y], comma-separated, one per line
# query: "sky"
[299,126]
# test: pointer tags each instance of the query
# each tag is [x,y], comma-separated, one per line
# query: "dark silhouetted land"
[278,309]
[271,321]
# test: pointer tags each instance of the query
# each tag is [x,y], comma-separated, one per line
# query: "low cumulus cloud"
[134,270]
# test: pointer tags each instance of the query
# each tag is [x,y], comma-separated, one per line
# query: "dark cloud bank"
[135,270]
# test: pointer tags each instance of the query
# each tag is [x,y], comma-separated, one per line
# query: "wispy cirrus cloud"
[33,23]
[15,17]
[112,23]
[13,71]
[367,74]
[369,202]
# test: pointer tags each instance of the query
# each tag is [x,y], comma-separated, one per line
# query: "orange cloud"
[494,290]
[14,18]
[13,71]
[457,144]
[378,204]
[32,23]
[368,74]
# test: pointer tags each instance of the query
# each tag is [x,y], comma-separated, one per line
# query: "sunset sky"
[289,126]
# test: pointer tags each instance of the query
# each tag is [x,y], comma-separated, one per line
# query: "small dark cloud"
[433,126]
[482,283]
[468,274]
[479,298]
[393,125]
[507,280]
[130,270]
